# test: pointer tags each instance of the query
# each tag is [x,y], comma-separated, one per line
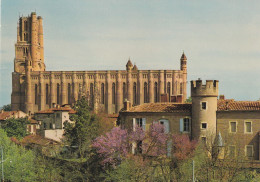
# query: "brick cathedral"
[35,89]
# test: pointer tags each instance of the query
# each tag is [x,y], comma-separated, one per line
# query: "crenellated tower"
[204,107]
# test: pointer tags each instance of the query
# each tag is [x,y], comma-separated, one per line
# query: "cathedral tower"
[204,107]
[29,56]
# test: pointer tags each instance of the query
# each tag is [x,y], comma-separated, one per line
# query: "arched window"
[69,93]
[58,93]
[113,93]
[36,93]
[102,93]
[124,91]
[169,90]
[47,94]
[146,92]
[155,92]
[92,93]
[135,94]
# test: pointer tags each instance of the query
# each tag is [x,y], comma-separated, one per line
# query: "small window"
[204,140]
[233,127]
[204,125]
[232,151]
[57,115]
[203,105]
[186,125]
[50,126]
[248,127]
[249,151]
[44,125]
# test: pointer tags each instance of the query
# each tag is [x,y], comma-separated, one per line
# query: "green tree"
[18,162]
[15,127]
[7,107]
[189,100]
[83,130]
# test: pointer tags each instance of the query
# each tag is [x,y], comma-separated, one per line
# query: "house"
[204,118]
[52,121]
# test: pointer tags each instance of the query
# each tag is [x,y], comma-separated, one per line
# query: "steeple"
[183,62]
[129,65]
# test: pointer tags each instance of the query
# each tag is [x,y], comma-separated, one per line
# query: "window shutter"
[144,123]
[181,124]
[134,124]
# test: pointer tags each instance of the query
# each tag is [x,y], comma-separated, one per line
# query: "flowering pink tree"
[113,146]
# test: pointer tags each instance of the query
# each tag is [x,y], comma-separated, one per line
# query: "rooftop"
[52,110]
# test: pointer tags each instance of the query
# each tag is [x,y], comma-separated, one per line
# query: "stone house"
[206,116]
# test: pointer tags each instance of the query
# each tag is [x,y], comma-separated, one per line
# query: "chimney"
[2,111]
[221,97]
[127,105]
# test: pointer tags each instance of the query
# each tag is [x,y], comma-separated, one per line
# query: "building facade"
[35,89]
[238,122]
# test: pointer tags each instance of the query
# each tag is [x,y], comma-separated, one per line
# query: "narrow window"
[232,151]
[233,127]
[50,125]
[248,127]
[169,91]
[44,125]
[155,92]
[203,105]
[113,93]
[186,125]
[124,91]
[58,93]
[102,93]
[145,92]
[92,93]
[69,93]
[36,93]
[181,89]
[204,140]
[135,94]
[249,151]
[47,94]
[203,125]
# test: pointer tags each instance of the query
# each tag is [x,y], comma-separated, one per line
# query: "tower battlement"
[209,89]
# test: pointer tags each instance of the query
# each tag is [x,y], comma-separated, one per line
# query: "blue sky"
[221,39]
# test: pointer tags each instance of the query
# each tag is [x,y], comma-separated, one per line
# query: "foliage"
[18,162]
[113,146]
[15,127]
[84,129]
[189,100]
[7,107]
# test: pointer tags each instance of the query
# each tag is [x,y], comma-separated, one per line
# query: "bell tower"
[29,57]
[29,40]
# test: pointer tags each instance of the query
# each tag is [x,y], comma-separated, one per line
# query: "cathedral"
[34,88]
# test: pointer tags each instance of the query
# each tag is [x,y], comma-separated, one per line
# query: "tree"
[7,107]
[18,162]
[189,100]
[15,127]
[83,130]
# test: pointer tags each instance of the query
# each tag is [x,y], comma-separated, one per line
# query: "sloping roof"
[232,105]
[160,107]
[52,110]
[7,114]
[38,140]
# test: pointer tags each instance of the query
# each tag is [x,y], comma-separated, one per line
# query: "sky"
[221,39]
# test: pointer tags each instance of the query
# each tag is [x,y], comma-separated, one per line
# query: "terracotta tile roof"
[161,107]
[52,110]
[232,105]
[7,114]
[33,121]
[38,140]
